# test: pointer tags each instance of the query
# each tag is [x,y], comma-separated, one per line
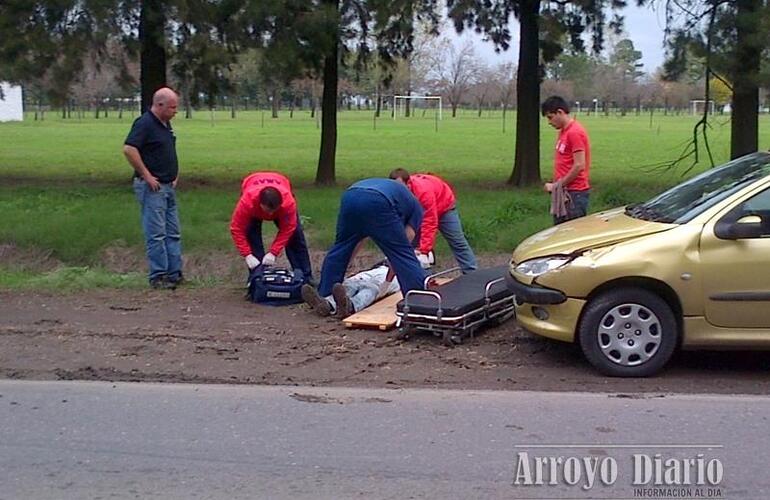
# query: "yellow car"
[690,268]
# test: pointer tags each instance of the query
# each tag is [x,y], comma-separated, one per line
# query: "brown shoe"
[320,305]
[344,305]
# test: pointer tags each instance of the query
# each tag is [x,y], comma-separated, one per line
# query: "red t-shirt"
[572,138]
[436,198]
[248,209]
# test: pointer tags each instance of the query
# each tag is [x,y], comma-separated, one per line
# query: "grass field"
[66,199]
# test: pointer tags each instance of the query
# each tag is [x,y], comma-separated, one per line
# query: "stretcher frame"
[454,329]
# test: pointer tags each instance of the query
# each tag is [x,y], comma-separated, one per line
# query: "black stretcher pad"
[461,295]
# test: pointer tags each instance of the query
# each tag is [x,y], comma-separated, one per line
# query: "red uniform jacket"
[248,209]
[436,198]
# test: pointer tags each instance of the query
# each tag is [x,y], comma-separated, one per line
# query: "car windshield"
[683,202]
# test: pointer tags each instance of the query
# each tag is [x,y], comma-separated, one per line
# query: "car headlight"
[538,267]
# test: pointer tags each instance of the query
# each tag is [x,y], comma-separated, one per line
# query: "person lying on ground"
[354,294]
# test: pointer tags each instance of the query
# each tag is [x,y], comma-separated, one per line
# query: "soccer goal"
[697,106]
[399,103]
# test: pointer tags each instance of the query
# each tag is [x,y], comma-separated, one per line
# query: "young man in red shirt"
[572,159]
[439,203]
[268,196]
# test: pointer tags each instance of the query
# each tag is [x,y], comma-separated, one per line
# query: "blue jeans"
[365,213]
[577,208]
[451,228]
[162,235]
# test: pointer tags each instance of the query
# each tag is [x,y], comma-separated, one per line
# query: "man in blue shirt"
[388,213]
[150,148]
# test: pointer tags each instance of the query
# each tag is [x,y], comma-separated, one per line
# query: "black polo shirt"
[157,146]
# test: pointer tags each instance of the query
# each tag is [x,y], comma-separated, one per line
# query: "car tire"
[628,332]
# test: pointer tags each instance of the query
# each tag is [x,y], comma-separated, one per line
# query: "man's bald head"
[164,104]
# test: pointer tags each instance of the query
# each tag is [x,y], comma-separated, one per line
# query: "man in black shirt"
[150,148]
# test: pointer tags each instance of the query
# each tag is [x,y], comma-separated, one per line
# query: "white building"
[10,103]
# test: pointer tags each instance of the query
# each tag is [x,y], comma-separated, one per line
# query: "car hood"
[593,231]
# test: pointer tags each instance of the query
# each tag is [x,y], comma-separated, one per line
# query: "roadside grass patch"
[67,202]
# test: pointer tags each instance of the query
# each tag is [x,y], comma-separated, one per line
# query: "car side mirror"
[748,226]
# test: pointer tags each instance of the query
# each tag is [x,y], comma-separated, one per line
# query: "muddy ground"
[212,335]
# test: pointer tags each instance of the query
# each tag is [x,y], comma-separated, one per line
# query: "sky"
[643,26]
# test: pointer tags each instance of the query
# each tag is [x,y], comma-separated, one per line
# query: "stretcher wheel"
[505,317]
[404,332]
[451,340]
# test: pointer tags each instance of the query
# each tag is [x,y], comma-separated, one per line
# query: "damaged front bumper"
[545,311]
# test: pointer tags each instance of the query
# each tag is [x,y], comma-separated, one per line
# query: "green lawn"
[65,186]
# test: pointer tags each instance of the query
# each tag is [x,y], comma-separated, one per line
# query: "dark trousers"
[296,248]
[578,206]
[366,213]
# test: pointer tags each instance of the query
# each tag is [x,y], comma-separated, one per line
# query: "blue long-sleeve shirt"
[399,196]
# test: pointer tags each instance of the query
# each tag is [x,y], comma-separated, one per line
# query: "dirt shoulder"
[213,335]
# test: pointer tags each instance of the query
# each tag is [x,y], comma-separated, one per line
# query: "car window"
[757,205]
[685,201]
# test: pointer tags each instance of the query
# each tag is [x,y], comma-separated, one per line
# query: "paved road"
[80,440]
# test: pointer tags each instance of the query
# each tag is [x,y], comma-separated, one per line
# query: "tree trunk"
[526,166]
[745,115]
[408,104]
[274,102]
[325,175]
[505,108]
[153,52]
[454,110]
[186,101]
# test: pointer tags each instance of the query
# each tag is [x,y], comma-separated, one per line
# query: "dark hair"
[399,173]
[271,198]
[554,104]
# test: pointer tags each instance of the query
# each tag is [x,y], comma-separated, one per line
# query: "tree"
[484,87]
[506,82]
[729,37]
[321,33]
[721,91]
[626,61]
[411,72]
[453,71]
[550,20]
[44,43]
[47,41]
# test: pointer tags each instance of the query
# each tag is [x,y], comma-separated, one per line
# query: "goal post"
[399,103]
[697,106]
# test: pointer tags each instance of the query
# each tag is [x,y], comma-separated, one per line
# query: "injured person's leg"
[354,294]
[344,306]
[320,305]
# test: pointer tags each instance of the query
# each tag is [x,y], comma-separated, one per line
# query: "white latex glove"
[268,259]
[424,260]
[252,261]
[383,290]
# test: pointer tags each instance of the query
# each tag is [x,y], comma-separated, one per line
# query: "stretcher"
[457,309]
